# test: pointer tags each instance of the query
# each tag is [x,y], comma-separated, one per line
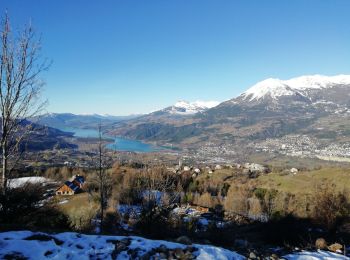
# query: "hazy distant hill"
[68,120]
[43,137]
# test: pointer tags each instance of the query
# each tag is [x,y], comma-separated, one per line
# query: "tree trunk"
[4,156]
[101,203]
[4,169]
[101,175]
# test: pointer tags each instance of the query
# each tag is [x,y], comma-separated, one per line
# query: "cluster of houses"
[71,187]
[251,169]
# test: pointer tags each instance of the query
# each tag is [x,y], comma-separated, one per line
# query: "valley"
[306,116]
[174,130]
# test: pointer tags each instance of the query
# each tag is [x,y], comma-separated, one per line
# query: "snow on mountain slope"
[189,108]
[272,87]
[275,88]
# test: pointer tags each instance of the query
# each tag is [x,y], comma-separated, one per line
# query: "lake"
[120,144]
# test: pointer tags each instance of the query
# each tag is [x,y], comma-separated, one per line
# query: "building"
[72,187]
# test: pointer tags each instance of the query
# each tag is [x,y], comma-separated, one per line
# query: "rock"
[121,247]
[133,253]
[252,255]
[321,243]
[188,256]
[162,249]
[171,254]
[126,241]
[145,256]
[255,167]
[218,167]
[186,168]
[274,257]
[294,170]
[184,240]
[179,253]
[190,249]
[336,247]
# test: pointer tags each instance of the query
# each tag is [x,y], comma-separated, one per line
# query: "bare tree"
[20,87]
[103,179]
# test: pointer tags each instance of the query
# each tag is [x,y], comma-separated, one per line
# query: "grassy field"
[306,181]
[303,182]
[80,209]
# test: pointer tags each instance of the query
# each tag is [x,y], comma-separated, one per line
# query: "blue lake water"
[120,144]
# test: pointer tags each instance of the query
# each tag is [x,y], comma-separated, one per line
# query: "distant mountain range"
[68,120]
[271,108]
[187,108]
[43,137]
[303,114]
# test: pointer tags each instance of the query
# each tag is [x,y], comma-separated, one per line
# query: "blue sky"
[121,57]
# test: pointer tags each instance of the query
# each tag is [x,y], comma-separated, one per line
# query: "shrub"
[237,200]
[330,206]
[23,208]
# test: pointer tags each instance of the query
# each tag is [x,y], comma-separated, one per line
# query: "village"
[305,146]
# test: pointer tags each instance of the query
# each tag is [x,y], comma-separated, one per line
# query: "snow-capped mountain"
[309,87]
[269,109]
[190,108]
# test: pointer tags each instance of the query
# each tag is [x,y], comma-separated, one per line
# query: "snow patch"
[19,182]
[318,255]
[79,246]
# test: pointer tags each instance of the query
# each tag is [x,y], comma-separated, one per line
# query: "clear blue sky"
[128,56]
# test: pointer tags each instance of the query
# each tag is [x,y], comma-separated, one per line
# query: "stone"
[190,249]
[274,257]
[188,256]
[186,168]
[121,247]
[145,256]
[162,249]
[184,240]
[252,255]
[336,247]
[294,170]
[179,253]
[126,241]
[218,167]
[321,243]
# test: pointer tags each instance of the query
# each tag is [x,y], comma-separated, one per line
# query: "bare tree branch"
[20,89]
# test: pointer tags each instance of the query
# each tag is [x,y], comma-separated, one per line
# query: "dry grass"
[306,182]
[80,209]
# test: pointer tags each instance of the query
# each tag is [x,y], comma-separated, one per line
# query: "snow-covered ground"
[77,246]
[18,182]
[69,245]
[322,255]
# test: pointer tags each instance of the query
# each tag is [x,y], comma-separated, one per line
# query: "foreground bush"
[330,207]
[24,208]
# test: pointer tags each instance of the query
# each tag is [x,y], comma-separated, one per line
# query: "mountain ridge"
[278,108]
